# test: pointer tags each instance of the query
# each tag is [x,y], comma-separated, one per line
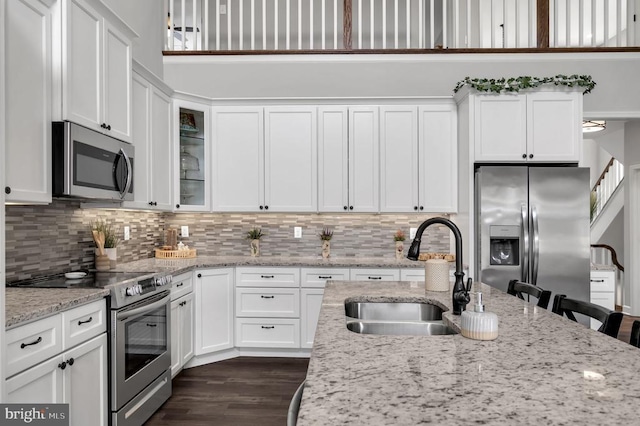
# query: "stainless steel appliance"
[88,164]
[533,225]
[140,339]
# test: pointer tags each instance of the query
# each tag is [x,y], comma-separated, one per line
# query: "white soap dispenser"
[478,324]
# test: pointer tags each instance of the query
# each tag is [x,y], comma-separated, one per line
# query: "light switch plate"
[184,231]
[297,232]
[412,233]
[127,233]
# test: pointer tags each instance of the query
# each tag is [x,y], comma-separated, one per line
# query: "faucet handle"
[469,283]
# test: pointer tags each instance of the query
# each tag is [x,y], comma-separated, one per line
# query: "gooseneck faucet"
[460,296]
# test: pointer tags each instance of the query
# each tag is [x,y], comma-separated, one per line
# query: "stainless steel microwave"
[88,164]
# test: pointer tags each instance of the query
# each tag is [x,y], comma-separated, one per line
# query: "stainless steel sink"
[400,328]
[393,311]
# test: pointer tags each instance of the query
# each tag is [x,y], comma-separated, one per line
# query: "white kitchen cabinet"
[268,302]
[153,162]
[182,321]
[238,159]
[96,71]
[541,126]
[267,276]
[374,274]
[28,91]
[290,166]
[318,277]
[311,303]
[268,333]
[191,153]
[78,377]
[412,274]
[603,291]
[214,315]
[348,159]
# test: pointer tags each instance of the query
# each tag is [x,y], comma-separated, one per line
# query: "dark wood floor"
[237,392]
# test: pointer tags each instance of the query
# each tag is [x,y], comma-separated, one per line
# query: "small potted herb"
[325,236]
[254,236]
[399,238]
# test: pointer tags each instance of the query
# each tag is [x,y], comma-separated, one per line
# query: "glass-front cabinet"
[192,153]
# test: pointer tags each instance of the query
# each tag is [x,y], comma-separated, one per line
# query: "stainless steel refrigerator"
[533,225]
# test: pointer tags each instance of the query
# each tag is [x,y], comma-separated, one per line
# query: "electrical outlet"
[412,233]
[184,231]
[127,233]
[297,232]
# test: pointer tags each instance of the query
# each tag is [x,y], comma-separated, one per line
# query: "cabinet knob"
[350,207]
[345,207]
[177,206]
[261,207]
[266,207]
[7,190]
[62,365]
[530,155]
[524,155]
[70,361]
[108,126]
[421,208]
[415,208]
[150,203]
[199,275]
[103,125]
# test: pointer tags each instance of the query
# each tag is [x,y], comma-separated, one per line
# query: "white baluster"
[619,40]
[253,24]
[568,23]
[288,23]
[275,24]
[445,30]
[323,21]
[359,24]
[420,24]
[194,26]
[432,22]
[456,23]
[183,26]
[594,22]
[264,24]
[172,25]
[299,24]
[556,41]
[241,26]
[335,24]
[217,24]
[408,25]
[205,25]
[310,24]
[372,22]
[395,24]
[229,44]
[384,24]
[581,24]
[606,23]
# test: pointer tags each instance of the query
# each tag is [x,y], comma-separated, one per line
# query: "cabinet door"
[363,159]
[438,159]
[398,159]
[28,100]
[186,328]
[291,179]
[176,356]
[86,383]
[238,159]
[82,71]
[117,83]
[213,310]
[500,127]
[333,159]
[40,384]
[141,131]
[160,168]
[311,301]
[554,121]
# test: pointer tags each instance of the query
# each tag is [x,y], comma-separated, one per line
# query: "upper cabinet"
[349,151]
[542,126]
[264,159]
[418,161]
[28,85]
[96,71]
[192,156]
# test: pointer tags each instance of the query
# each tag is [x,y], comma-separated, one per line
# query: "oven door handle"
[143,309]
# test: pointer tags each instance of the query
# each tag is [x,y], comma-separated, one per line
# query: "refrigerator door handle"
[524,247]
[535,246]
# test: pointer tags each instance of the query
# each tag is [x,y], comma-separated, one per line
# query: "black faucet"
[460,296]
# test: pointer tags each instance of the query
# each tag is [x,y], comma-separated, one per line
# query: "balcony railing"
[608,182]
[352,25]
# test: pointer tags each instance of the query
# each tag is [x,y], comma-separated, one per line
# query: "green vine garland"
[525,82]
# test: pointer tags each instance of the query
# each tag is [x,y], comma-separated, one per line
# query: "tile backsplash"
[56,238]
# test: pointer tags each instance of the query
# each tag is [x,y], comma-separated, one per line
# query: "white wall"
[632,215]
[615,96]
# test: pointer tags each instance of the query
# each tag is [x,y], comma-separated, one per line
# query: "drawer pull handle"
[62,365]
[267,276]
[152,325]
[183,303]
[268,327]
[70,361]
[180,285]
[24,345]
[267,297]
[324,278]
[597,281]
[375,278]
[84,322]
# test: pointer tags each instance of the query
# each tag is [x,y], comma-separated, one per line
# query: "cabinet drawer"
[268,277]
[182,284]
[83,323]
[603,281]
[375,274]
[317,278]
[32,343]
[268,302]
[267,333]
[416,274]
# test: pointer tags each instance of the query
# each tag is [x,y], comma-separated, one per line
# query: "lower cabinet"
[214,315]
[267,333]
[311,301]
[374,274]
[603,291]
[78,377]
[182,332]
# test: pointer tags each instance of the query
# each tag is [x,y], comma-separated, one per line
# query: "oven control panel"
[141,287]
[164,280]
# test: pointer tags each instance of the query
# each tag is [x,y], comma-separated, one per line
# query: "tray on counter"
[175,254]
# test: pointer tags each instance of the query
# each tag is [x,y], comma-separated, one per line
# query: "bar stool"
[610,320]
[635,334]
[516,288]
[294,406]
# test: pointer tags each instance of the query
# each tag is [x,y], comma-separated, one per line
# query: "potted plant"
[107,239]
[399,238]
[325,236]
[254,236]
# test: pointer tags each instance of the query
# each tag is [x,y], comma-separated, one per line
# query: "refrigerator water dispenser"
[504,245]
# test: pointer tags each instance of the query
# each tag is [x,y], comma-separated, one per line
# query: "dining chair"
[635,334]
[294,406]
[611,320]
[517,288]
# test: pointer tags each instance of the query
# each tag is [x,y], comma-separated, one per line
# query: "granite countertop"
[27,304]
[542,369]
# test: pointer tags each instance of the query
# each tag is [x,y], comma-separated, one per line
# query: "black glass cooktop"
[91,280]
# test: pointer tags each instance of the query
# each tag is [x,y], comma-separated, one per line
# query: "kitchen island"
[542,368]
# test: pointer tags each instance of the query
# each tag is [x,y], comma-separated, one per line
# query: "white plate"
[75,275]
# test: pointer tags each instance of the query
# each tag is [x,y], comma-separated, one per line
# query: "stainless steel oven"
[140,358]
